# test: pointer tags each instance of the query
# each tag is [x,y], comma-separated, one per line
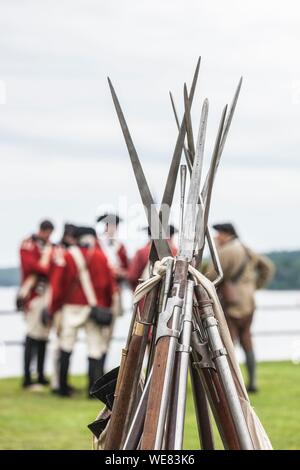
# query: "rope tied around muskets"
[159,272]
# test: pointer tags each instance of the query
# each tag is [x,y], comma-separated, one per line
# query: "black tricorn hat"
[108,218]
[226,228]
[81,231]
[46,225]
[69,229]
[171,230]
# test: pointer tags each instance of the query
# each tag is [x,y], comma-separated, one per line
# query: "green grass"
[277,405]
[43,421]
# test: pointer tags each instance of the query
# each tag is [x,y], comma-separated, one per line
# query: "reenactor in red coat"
[84,283]
[139,266]
[116,255]
[114,250]
[36,254]
[68,239]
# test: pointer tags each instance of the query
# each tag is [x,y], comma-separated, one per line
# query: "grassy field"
[42,421]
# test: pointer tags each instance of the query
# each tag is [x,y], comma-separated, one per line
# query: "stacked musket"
[145,397]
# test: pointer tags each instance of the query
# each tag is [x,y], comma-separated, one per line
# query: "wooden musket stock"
[130,374]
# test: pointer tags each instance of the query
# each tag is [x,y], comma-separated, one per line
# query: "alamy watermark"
[135,217]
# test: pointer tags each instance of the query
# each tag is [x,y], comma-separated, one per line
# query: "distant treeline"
[9,277]
[287,275]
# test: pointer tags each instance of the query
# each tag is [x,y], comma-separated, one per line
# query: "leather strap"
[84,275]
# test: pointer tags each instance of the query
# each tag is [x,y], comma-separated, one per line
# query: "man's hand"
[119,273]
[45,317]
[20,303]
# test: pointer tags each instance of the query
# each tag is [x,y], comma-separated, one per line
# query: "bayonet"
[205,231]
[173,171]
[175,162]
[188,123]
[185,149]
[182,197]
[187,248]
[225,134]
[161,244]
[202,220]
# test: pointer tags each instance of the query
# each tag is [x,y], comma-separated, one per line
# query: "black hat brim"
[109,219]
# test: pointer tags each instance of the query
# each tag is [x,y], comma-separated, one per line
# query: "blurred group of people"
[74,284]
[78,282]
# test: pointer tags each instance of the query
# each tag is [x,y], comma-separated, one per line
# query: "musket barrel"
[202,409]
[184,355]
[163,364]
[214,391]
[221,362]
[149,317]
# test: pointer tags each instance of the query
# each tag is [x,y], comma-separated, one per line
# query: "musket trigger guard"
[205,360]
[164,317]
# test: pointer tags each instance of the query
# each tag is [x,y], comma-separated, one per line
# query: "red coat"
[139,263]
[66,287]
[30,255]
[122,255]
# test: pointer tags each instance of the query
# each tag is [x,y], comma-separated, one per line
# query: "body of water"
[276,331]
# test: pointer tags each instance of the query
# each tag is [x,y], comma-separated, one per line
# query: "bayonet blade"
[213,165]
[185,150]
[161,245]
[230,116]
[175,162]
[173,171]
[188,124]
[210,240]
[203,218]
[225,133]
[188,237]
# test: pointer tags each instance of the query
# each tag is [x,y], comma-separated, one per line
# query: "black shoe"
[252,389]
[27,383]
[95,371]
[63,392]
[43,381]
[30,351]
[41,353]
[64,361]
[71,390]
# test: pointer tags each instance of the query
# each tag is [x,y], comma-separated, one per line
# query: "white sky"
[60,143]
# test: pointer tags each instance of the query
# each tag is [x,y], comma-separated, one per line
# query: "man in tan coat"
[244,272]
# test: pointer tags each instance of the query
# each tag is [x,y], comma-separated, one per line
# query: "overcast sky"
[61,147]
